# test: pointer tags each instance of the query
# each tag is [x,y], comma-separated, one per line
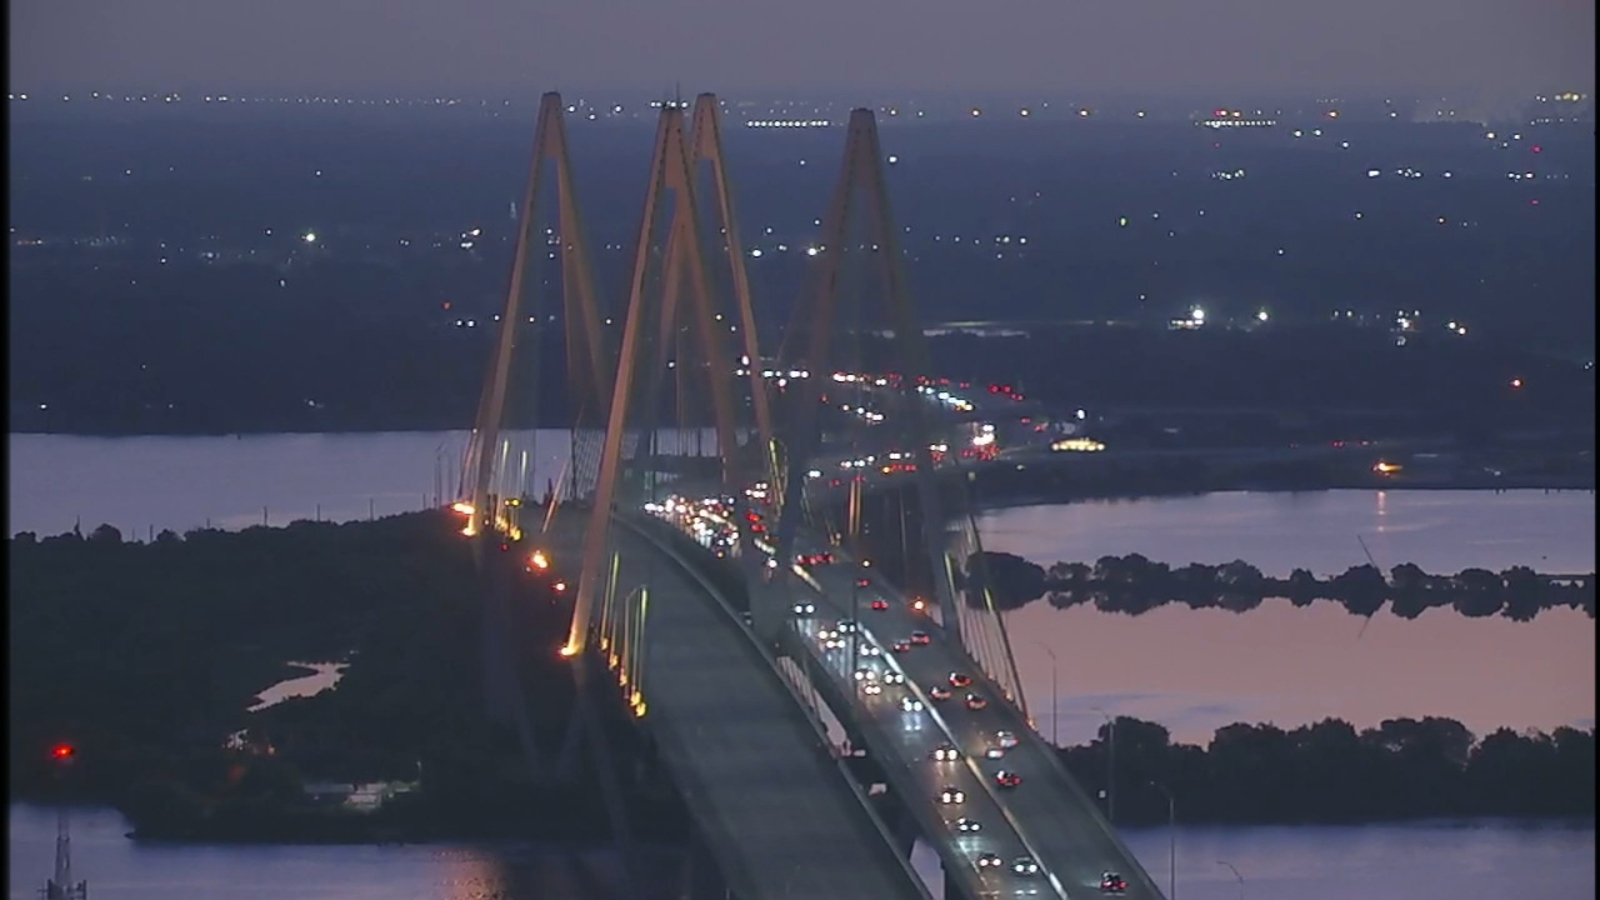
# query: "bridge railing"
[647,532]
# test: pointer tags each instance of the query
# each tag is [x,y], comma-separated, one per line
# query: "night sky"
[1059,46]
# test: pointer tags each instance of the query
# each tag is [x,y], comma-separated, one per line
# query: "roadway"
[778,811]
[905,741]
[1052,817]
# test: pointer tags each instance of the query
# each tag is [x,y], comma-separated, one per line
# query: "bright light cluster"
[787,123]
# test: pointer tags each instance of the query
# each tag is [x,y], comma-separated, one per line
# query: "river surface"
[1484,860]
[1191,670]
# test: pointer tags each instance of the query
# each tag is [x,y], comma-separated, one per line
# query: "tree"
[1523,593]
[1362,589]
[1479,593]
[105,534]
[1303,587]
[1011,580]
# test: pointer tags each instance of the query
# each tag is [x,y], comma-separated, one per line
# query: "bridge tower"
[674,356]
[646,390]
[859,316]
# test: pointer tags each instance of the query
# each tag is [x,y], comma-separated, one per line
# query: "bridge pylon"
[589,356]
[673,356]
[834,329]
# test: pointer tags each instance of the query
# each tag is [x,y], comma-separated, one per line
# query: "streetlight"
[1111,765]
[1223,862]
[1055,696]
[1172,849]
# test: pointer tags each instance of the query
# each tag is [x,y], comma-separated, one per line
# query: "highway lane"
[905,741]
[778,811]
[1071,840]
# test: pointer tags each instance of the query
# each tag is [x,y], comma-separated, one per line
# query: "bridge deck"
[1059,824]
[774,805]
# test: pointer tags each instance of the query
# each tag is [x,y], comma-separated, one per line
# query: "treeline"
[146,655]
[1331,773]
[1133,584]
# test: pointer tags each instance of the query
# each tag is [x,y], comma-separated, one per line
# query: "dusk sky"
[1055,46]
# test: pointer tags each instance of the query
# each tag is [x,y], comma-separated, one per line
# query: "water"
[1403,862]
[1197,670]
[1192,670]
[325,676]
[1441,531]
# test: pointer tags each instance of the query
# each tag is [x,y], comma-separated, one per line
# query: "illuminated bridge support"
[588,360]
[827,333]
[655,329]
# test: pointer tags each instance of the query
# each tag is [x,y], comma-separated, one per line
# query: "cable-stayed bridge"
[765,540]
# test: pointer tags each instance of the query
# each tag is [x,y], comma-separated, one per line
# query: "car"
[1006,779]
[879,604]
[1112,883]
[976,702]
[950,796]
[945,753]
[959,680]
[805,609]
[910,704]
[836,643]
[994,752]
[866,675]
[870,650]
[1024,866]
[892,677]
[901,646]
[872,689]
[847,626]
[1005,739]
[937,693]
[863,582]
[919,638]
[989,861]
[965,825]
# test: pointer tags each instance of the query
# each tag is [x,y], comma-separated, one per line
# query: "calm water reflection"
[1413,862]
[1196,670]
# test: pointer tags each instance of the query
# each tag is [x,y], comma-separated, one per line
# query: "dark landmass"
[159,272]
[1331,773]
[1133,585]
[144,656]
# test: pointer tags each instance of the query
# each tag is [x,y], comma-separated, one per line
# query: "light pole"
[1223,862]
[1111,765]
[1055,695]
[1172,848]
